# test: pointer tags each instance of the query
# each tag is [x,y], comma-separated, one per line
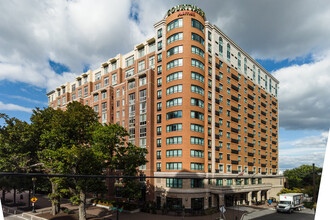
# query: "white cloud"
[13,107]
[303,95]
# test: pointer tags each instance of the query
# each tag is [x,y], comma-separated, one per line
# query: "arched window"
[239,60]
[228,52]
[220,46]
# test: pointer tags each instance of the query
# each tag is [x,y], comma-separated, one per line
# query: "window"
[219,182]
[79,93]
[142,80]
[159,82]
[174,37]
[174,63]
[96,108]
[160,33]
[152,62]
[196,183]
[159,130]
[159,106]
[197,166]
[174,182]
[197,102]
[173,89]
[129,72]
[197,115]
[131,84]
[174,153]
[73,96]
[228,52]
[73,87]
[173,166]
[174,140]
[159,94]
[229,168]
[159,155]
[197,140]
[97,76]
[196,127]
[159,69]
[197,153]
[197,50]
[175,50]
[104,94]
[197,38]
[96,97]
[129,61]
[197,63]
[174,127]
[197,89]
[159,45]
[114,65]
[106,81]
[158,166]
[114,79]
[174,114]
[197,76]
[141,65]
[174,24]
[159,57]
[220,46]
[197,24]
[174,76]
[159,142]
[97,87]
[174,102]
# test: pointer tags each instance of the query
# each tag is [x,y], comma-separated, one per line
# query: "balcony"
[234,119]
[234,77]
[250,116]
[273,126]
[250,135]
[250,106]
[274,111]
[263,139]
[274,119]
[234,141]
[250,97]
[263,121]
[263,165]
[217,113]
[274,103]
[274,158]
[263,148]
[263,95]
[263,130]
[274,142]
[263,104]
[234,98]
[263,173]
[217,65]
[250,164]
[217,160]
[234,162]
[217,171]
[274,150]
[273,166]
[217,77]
[250,172]
[263,156]
[216,124]
[274,134]
[250,154]
[234,109]
[217,101]
[234,151]
[234,87]
[250,145]
[217,89]
[274,174]
[234,171]
[217,136]
[250,125]
[234,130]
[217,148]
[250,87]
[263,113]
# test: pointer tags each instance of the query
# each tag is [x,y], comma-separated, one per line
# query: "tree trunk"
[29,199]
[3,196]
[82,205]
[14,198]
[55,199]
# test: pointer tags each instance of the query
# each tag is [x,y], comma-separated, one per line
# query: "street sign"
[222,209]
[34,199]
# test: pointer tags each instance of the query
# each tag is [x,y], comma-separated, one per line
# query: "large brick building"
[205,110]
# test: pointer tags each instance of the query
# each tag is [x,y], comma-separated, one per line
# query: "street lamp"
[34,193]
[118,184]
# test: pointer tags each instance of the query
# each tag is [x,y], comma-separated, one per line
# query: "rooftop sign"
[186,7]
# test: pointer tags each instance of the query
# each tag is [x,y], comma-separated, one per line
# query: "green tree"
[15,153]
[120,154]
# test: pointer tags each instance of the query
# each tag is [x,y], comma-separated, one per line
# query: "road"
[12,217]
[305,214]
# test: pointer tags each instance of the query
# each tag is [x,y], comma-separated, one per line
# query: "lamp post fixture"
[34,193]
[117,184]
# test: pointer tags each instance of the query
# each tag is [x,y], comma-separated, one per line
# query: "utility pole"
[314,190]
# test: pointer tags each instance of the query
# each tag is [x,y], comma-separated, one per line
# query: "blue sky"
[53,41]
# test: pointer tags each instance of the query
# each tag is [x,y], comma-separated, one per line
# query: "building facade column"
[221,200]
[259,197]
[249,198]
